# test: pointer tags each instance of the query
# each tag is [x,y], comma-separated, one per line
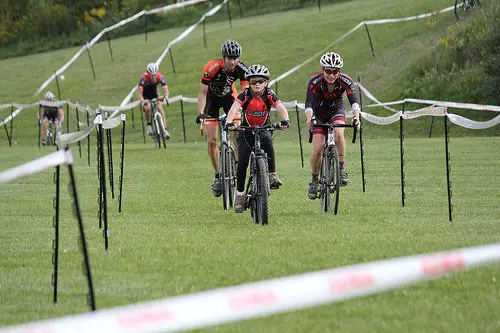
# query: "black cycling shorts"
[215,103]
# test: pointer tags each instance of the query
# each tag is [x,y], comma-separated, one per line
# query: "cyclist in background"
[256,103]
[54,114]
[324,102]
[217,90]
[147,90]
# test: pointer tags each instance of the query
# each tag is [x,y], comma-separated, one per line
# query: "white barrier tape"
[95,39]
[381,120]
[111,123]
[284,75]
[120,108]
[69,138]
[373,98]
[410,18]
[16,112]
[52,103]
[183,35]
[5,106]
[34,166]
[173,6]
[382,104]
[456,105]
[467,123]
[268,297]
[429,111]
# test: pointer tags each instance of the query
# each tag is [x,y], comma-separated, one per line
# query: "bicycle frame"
[158,127]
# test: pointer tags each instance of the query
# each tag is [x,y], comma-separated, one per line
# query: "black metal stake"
[58,88]
[229,15]
[55,258]
[110,162]
[430,128]
[241,12]
[99,178]
[90,60]
[67,117]
[7,132]
[183,122]
[361,143]
[11,123]
[122,163]
[401,151]
[133,123]
[83,242]
[109,45]
[370,39]
[88,139]
[300,136]
[319,5]
[39,125]
[448,167]
[103,188]
[172,60]
[204,35]
[78,129]
[145,28]
[142,122]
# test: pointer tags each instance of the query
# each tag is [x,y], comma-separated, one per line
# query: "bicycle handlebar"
[269,127]
[332,126]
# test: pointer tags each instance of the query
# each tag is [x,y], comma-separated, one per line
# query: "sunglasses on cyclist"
[331,71]
[259,81]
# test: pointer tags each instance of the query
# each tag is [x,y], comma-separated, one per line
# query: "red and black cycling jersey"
[220,82]
[256,109]
[148,87]
[318,96]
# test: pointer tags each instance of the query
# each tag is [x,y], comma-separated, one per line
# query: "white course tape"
[52,103]
[410,18]
[111,123]
[20,108]
[5,106]
[456,105]
[69,138]
[173,6]
[467,123]
[373,98]
[428,111]
[100,34]
[268,297]
[37,165]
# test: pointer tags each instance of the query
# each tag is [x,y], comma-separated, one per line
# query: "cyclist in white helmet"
[147,90]
[217,90]
[52,113]
[256,103]
[324,102]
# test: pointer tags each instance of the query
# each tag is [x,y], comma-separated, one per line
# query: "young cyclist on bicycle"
[217,90]
[256,103]
[54,114]
[147,90]
[324,102]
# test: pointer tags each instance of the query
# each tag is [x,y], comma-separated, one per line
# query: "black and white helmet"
[331,59]
[231,48]
[49,96]
[258,70]
[152,68]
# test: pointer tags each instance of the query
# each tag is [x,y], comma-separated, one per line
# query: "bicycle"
[462,8]
[227,162]
[329,177]
[49,137]
[258,187]
[158,125]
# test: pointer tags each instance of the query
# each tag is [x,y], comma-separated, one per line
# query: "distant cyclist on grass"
[256,103]
[217,90]
[324,102]
[147,90]
[54,114]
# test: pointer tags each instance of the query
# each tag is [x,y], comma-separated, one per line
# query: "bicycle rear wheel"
[262,194]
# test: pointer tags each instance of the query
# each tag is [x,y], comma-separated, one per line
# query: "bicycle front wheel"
[232,176]
[224,175]
[262,194]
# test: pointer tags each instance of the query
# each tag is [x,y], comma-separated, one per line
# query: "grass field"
[173,236]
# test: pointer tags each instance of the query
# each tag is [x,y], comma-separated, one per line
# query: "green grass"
[174,238]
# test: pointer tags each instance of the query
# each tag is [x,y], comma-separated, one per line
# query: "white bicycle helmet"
[152,68]
[258,70]
[331,59]
[231,48]
[49,96]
